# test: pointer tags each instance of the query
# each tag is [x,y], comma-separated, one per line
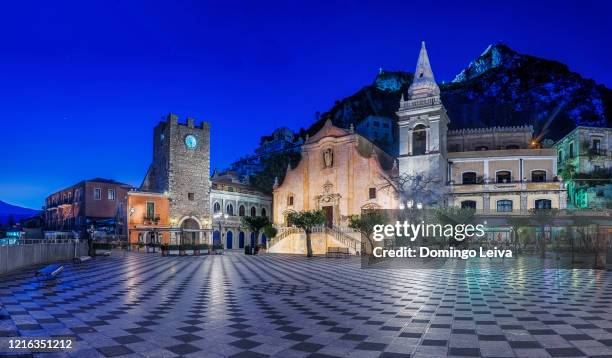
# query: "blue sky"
[83,83]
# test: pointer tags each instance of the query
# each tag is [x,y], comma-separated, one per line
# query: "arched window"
[241,210]
[253,211]
[263,212]
[229,210]
[468,204]
[290,200]
[468,178]
[216,208]
[504,206]
[538,176]
[543,204]
[419,140]
[503,176]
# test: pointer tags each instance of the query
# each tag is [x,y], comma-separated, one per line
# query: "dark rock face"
[499,88]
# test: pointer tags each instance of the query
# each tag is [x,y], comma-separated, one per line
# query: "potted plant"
[183,249]
[200,249]
[164,249]
[218,249]
[247,250]
[140,245]
[173,249]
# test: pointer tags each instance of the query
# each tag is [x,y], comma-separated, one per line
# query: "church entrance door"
[329,215]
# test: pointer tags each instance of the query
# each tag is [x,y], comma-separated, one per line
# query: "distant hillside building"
[589,152]
[230,200]
[377,129]
[98,203]
[282,140]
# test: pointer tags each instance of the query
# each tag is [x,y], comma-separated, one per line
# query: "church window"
[229,210]
[468,204]
[468,178]
[263,212]
[241,210]
[290,200]
[216,208]
[504,206]
[253,211]
[503,176]
[419,140]
[372,193]
[191,196]
[538,176]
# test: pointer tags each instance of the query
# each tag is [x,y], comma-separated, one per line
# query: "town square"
[293,179]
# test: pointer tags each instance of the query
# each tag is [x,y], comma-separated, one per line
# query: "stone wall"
[13,257]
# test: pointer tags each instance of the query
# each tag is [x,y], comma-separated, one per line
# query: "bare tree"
[416,188]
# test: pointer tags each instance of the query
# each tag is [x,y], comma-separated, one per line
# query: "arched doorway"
[241,240]
[253,239]
[230,239]
[187,235]
[263,239]
[216,237]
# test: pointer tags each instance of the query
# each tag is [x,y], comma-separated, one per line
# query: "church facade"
[341,173]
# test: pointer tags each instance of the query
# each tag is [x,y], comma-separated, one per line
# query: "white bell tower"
[423,124]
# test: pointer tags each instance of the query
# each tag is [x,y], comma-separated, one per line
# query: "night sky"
[83,83]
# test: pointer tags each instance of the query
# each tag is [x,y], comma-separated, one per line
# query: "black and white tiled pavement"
[287,306]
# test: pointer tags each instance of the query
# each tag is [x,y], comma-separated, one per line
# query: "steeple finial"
[424,84]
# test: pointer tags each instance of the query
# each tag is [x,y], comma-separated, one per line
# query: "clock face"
[191,142]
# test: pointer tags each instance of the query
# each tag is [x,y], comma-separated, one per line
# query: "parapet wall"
[13,257]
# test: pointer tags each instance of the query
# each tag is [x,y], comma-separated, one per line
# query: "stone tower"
[181,169]
[423,124]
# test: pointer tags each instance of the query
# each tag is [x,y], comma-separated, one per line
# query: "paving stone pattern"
[233,305]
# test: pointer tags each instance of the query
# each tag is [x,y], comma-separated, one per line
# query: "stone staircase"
[291,240]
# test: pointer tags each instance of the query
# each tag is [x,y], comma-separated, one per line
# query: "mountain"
[501,87]
[17,212]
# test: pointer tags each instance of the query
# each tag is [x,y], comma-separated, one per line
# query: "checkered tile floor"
[286,306]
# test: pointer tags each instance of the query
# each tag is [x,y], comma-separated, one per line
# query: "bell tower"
[423,124]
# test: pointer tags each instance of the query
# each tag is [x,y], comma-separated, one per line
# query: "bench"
[49,272]
[80,260]
[337,252]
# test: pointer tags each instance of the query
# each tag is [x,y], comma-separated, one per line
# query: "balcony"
[502,187]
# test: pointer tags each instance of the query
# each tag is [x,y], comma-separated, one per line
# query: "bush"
[202,247]
[164,247]
[186,247]
[102,246]
[174,247]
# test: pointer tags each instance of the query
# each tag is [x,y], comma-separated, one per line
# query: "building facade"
[341,173]
[230,200]
[377,129]
[98,203]
[493,170]
[585,158]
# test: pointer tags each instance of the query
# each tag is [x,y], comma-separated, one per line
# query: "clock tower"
[181,170]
